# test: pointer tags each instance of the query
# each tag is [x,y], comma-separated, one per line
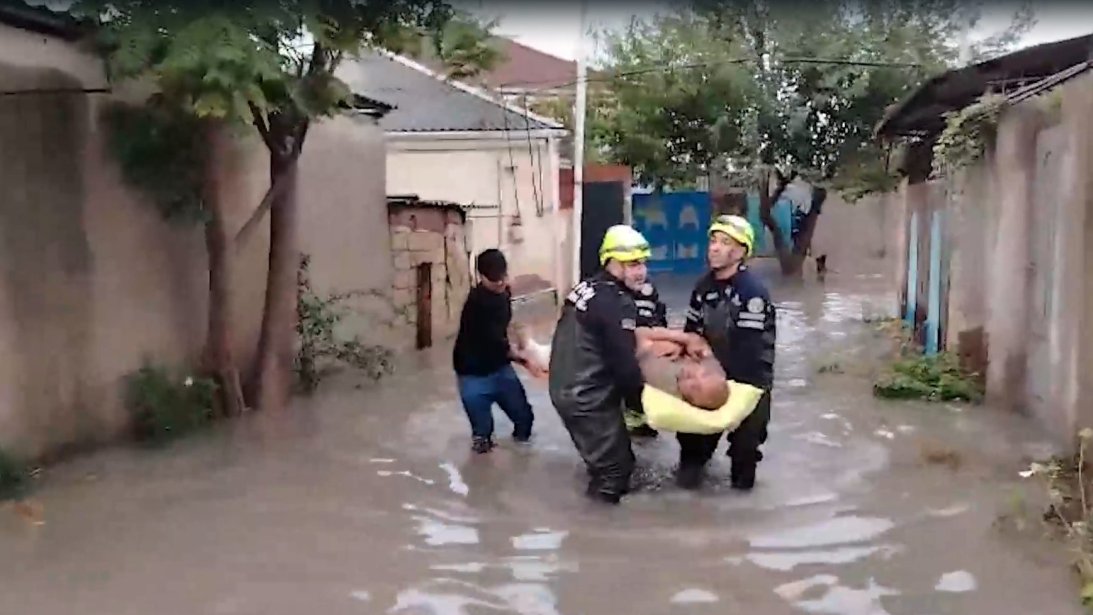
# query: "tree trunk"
[219,360]
[803,244]
[273,380]
[766,205]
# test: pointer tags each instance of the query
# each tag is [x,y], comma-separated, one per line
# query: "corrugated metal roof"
[426,103]
[923,111]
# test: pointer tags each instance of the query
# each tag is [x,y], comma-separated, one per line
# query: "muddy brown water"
[369,501]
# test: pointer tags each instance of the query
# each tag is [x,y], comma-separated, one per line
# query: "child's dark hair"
[492,265]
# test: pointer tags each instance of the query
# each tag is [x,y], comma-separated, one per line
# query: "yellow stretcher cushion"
[669,413]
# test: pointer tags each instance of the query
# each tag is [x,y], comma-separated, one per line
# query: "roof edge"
[898,108]
[469,89]
[41,20]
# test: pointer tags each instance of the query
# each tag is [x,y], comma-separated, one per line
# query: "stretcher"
[666,412]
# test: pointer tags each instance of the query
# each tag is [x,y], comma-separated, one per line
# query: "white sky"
[552,27]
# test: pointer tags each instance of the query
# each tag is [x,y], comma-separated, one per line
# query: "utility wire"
[608,76]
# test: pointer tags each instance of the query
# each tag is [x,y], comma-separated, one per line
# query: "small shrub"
[936,378]
[14,477]
[164,406]
[319,351]
[1070,508]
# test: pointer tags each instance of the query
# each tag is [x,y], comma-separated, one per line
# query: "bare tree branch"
[262,127]
[251,225]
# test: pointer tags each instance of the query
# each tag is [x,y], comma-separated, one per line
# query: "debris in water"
[30,511]
[943,456]
[957,582]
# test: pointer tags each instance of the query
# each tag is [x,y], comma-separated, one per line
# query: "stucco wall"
[94,281]
[855,236]
[1019,259]
[497,180]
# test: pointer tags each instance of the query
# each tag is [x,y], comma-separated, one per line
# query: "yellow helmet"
[624,244]
[736,227]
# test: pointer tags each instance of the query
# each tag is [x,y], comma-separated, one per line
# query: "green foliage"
[161,153]
[967,134]
[165,406]
[749,82]
[270,64]
[319,348]
[935,378]
[14,477]
[1066,481]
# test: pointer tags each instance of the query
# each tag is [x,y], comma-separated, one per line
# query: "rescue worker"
[593,364]
[652,312]
[731,309]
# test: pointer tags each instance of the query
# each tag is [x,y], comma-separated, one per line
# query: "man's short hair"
[492,265]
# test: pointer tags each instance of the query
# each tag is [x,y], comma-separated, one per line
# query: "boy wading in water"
[483,356]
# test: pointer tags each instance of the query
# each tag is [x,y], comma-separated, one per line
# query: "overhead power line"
[607,76]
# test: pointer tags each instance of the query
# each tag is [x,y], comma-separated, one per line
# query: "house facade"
[451,142]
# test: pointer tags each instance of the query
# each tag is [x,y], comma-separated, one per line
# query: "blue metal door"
[783,217]
[675,224]
[933,307]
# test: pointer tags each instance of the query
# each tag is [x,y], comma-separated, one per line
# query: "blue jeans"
[503,388]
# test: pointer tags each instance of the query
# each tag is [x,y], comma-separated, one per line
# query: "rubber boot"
[690,476]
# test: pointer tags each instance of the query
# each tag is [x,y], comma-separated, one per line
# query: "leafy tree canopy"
[742,83]
[271,64]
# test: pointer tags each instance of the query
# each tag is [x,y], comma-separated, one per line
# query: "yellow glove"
[669,413]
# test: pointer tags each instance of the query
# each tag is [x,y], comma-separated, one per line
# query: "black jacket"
[651,311]
[593,365]
[482,344]
[738,320]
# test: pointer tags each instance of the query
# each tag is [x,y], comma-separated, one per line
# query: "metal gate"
[675,224]
[603,208]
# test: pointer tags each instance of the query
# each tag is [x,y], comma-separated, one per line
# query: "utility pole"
[579,109]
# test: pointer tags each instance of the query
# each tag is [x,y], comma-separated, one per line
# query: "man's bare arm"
[692,342]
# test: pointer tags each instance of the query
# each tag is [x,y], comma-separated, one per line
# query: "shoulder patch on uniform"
[756,305]
[629,324]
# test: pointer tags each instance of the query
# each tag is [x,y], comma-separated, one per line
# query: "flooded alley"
[370,501]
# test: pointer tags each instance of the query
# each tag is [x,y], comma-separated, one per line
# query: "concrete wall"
[856,237]
[499,181]
[443,245]
[1018,246]
[95,282]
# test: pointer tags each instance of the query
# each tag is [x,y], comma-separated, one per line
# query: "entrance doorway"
[424,305]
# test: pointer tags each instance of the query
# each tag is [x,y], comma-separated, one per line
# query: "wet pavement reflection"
[370,501]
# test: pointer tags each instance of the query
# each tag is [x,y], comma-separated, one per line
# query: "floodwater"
[369,501]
